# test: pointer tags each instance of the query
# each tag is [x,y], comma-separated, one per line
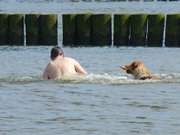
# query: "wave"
[94,79]
[14,79]
[112,79]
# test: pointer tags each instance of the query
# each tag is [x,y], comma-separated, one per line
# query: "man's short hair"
[55,51]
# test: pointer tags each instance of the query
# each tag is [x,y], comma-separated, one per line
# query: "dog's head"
[130,68]
[136,68]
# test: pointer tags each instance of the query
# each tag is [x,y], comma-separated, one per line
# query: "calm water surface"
[104,104]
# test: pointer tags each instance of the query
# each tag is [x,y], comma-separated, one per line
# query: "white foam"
[104,78]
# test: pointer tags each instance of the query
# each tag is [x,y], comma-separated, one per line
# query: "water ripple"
[93,79]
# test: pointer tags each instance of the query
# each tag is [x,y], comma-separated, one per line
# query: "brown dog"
[139,71]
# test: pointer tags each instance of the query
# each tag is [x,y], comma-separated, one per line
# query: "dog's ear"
[134,65]
[123,67]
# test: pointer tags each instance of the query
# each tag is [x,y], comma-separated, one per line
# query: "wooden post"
[112,30]
[60,31]
[24,30]
[164,32]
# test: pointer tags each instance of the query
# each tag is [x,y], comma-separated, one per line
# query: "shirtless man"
[62,67]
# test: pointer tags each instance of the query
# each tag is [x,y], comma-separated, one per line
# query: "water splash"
[94,79]
[20,79]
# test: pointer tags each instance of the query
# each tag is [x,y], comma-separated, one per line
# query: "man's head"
[56,51]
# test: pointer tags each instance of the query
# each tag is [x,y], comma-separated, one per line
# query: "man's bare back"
[62,67]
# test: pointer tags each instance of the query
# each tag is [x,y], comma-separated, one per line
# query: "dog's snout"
[128,71]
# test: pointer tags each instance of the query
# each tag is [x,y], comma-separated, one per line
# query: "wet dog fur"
[139,71]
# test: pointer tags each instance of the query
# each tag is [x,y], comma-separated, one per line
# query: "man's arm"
[79,68]
[45,73]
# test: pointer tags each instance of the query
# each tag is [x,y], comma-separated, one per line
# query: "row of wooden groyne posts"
[91,29]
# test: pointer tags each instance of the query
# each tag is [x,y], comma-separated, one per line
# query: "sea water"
[106,102]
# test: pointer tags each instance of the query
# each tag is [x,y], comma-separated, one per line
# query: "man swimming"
[61,67]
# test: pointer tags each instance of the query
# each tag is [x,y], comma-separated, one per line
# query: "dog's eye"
[128,71]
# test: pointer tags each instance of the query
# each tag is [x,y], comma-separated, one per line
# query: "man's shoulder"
[51,64]
[69,59]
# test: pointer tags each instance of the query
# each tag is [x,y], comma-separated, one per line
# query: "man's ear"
[134,65]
